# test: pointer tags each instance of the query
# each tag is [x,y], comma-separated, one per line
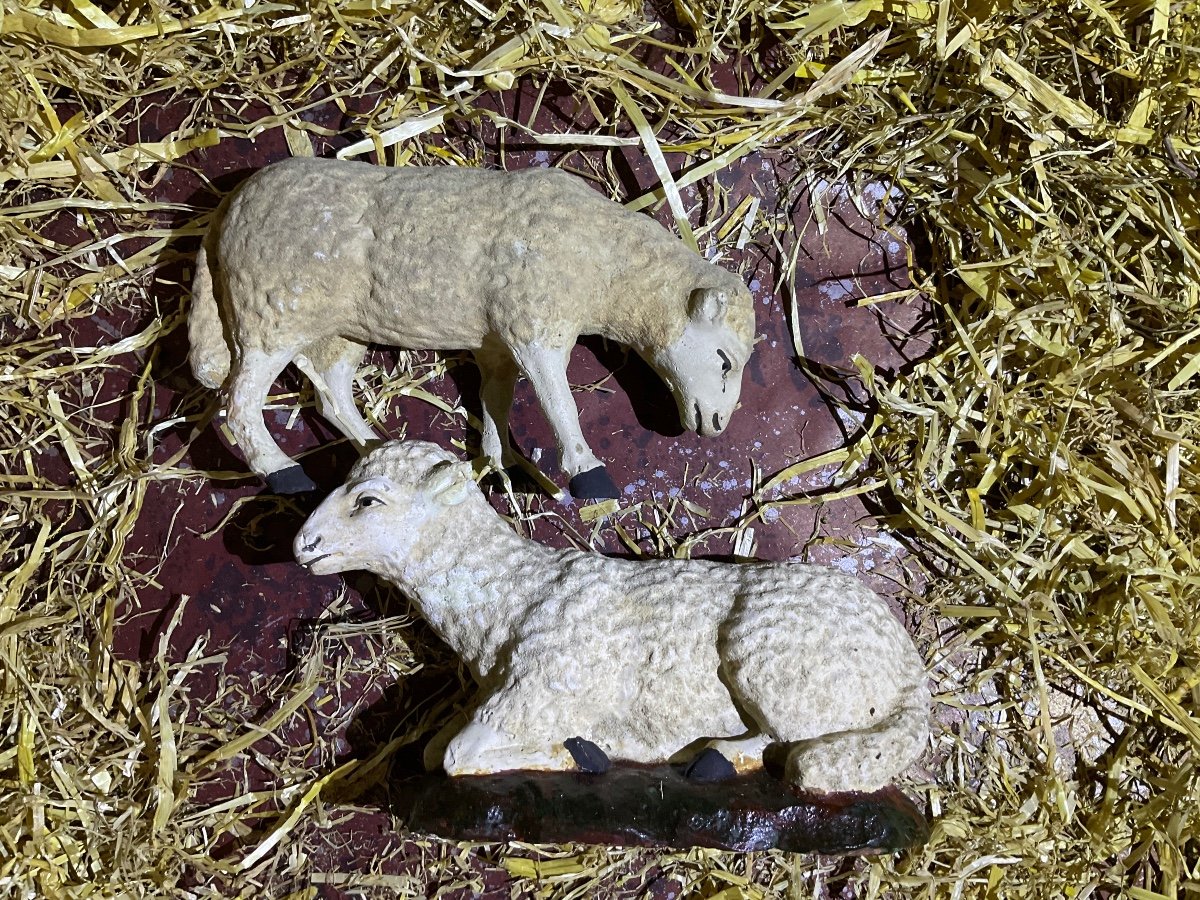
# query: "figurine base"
[658,807]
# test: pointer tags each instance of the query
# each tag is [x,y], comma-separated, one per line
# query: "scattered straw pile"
[1045,457]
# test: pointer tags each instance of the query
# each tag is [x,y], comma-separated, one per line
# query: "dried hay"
[1044,459]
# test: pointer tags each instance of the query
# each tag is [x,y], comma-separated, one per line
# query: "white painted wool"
[650,659]
[310,260]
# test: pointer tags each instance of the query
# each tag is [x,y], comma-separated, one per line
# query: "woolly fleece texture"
[649,660]
[309,260]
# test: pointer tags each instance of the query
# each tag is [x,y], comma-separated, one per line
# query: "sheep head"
[703,367]
[387,506]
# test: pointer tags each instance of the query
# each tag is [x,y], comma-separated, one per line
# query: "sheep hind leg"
[862,759]
[254,371]
[497,381]
[331,370]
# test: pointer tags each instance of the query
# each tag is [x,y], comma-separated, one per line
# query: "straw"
[1040,463]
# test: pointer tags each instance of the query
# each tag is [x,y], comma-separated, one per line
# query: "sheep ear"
[707,304]
[450,483]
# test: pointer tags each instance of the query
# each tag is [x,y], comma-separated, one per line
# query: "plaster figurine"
[642,660]
[309,260]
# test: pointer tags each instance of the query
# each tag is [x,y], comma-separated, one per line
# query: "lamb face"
[703,368]
[375,519]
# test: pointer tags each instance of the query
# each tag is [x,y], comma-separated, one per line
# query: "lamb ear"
[449,483]
[707,304]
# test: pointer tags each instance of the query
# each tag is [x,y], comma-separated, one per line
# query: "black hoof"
[710,766]
[291,480]
[594,484]
[588,756]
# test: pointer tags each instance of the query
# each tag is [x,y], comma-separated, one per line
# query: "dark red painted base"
[658,807]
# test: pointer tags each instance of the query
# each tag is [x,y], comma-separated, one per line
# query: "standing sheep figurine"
[309,260]
[641,659]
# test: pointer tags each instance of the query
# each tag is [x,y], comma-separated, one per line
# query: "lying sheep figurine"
[642,659]
[310,260]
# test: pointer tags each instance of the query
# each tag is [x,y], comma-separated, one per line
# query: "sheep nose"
[716,424]
[311,545]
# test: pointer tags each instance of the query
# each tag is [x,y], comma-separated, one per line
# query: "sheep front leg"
[481,749]
[494,740]
[546,368]
[331,367]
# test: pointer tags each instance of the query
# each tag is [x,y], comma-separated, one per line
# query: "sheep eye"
[366,500]
[726,365]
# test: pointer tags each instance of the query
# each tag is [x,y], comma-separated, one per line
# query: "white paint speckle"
[852,419]
[837,289]
[874,191]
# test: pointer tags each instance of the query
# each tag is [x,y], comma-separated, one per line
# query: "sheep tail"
[209,356]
